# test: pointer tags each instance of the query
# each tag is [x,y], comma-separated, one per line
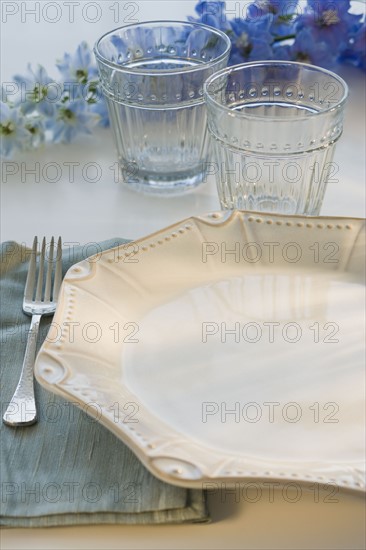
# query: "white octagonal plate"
[223,348]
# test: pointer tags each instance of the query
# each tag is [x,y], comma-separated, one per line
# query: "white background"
[83,211]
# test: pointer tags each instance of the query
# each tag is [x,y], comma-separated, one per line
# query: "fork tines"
[35,293]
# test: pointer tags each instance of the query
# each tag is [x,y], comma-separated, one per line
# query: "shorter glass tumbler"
[152,76]
[274,126]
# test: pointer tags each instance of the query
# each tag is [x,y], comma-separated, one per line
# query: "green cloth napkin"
[67,469]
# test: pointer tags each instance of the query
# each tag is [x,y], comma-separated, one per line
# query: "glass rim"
[249,116]
[163,22]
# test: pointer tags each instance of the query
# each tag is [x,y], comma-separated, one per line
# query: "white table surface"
[83,211]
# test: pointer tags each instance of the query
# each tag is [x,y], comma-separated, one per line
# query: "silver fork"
[37,301]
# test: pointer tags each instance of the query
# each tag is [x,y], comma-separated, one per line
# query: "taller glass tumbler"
[274,126]
[152,76]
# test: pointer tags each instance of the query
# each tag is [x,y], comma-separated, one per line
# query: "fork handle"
[22,410]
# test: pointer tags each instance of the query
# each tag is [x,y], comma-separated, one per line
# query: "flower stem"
[285,37]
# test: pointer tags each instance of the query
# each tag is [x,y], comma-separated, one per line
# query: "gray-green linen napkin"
[67,469]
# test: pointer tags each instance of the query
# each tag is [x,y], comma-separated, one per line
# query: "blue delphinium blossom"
[83,106]
[251,40]
[324,33]
[307,50]
[13,134]
[100,108]
[78,67]
[80,75]
[284,13]
[72,118]
[36,128]
[212,14]
[355,52]
[38,92]
[203,8]
[330,22]
[284,17]
[358,45]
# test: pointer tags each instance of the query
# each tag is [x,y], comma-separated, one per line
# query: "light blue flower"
[13,134]
[72,118]
[78,67]
[38,91]
[100,108]
[36,128]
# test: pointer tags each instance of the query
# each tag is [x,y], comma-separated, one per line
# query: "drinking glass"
[274,126]
[152,76]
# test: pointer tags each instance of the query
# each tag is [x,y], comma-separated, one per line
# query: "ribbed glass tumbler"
[152,76]
[274,126]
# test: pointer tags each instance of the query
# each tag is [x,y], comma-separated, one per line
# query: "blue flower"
[38,92]
[13,134]
[330,22]
[307,49]
[284,17]
[71,119]
[283,52]
[78,67]
[252,40]
[355,53]
[276,7]
[359,46]
[212,14]
[202,8]
[273,29]
[36,129]
[100,108]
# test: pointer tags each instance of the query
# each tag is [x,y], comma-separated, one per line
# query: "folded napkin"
[67,469]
